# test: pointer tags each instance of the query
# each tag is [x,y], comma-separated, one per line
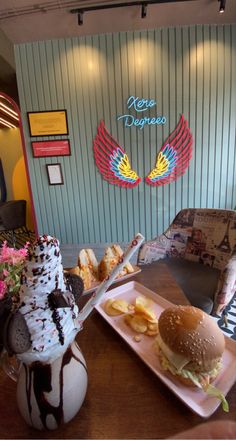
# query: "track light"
[80,18]
[222,6]
[143,3]
[113,4]
[144,10]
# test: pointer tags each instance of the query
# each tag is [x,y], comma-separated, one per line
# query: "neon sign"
[141,105]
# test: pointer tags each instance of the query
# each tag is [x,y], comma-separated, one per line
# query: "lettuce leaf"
[213,391]
[209,389]
[200,380]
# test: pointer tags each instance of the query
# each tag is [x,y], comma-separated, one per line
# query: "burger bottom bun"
[185,381]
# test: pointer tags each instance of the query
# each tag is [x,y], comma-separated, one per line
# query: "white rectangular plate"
[195,399]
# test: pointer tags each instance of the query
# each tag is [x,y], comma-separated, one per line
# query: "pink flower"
[11,255]
[12,262]
[3,289]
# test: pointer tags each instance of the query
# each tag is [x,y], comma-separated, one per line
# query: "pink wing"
[174,156]
[112,161]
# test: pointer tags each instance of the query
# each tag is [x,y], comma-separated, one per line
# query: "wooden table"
[124,399]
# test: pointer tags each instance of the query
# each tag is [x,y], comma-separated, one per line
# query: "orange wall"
[14,168]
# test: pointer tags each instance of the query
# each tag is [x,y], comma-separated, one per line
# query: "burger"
[190,346]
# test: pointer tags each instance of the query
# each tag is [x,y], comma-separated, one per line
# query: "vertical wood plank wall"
[189,70]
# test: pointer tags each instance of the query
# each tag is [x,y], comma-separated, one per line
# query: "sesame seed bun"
[192,334]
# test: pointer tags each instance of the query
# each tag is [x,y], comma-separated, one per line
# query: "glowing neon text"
[141,105]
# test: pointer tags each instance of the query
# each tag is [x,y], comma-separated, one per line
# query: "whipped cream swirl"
[44,274]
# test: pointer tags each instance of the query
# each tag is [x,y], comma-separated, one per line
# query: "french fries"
[140,316]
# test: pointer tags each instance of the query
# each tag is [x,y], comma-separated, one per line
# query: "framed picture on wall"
[51,148]
[48,123]
[54,172]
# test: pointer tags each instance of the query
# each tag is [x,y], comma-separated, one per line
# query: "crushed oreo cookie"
[56,300]
[75,284]
[16,336]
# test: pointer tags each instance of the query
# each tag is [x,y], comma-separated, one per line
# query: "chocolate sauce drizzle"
[55,315]
[38,271]
[39,376]
[56,281]
[43,242]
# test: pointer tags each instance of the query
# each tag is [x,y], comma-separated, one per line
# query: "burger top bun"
[191,333]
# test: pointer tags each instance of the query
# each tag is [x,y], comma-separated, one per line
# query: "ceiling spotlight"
[222,6]
[144,10]
[80,18]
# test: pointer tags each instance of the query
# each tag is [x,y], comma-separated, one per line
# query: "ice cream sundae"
[41,331]
[46,304]
[52,381]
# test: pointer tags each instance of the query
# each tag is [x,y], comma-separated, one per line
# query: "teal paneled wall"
[189,70]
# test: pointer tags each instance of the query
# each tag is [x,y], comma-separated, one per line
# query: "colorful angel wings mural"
[112,161]
[174,156]
[171,162]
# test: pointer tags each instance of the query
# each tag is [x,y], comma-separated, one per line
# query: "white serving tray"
[198,401]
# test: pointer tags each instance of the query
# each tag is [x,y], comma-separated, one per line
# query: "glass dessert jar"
[49,393]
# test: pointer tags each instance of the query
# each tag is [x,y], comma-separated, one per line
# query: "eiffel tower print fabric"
[206,236]
[212,237]
[213,243]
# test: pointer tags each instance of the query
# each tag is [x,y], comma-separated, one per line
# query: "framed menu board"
[48,123]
